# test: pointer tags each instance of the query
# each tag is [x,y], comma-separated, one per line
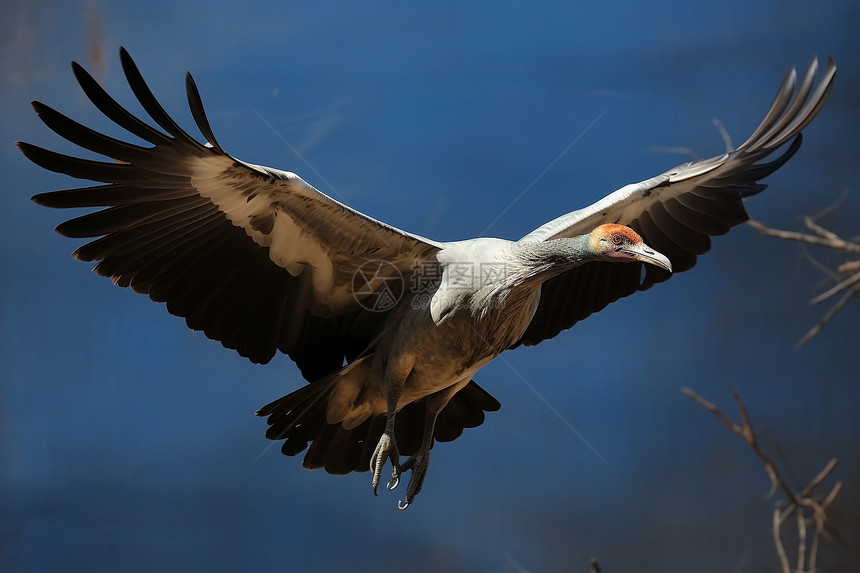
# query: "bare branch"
[837,244]
[836,289]
[777,541]
[831,496]
[816,228]
[801,540]
[832,275]
[849,267]
[745,417]
[813,548]
[713,410]
[816,481]
[823,238]
[828,316]
[808,509]
[810,487]
[747,433]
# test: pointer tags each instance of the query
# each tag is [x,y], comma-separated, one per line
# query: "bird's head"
[618,243]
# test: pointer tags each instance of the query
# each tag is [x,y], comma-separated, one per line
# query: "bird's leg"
[387,446]
[417,462]
[420,460]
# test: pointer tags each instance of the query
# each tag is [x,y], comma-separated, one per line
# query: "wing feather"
[114,111]
[676,212]
[254,257]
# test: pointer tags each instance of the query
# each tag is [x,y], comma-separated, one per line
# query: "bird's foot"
[386,449]
[418,465]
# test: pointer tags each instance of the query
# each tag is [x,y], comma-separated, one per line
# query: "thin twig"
[824,238]
[836,289]
[747,433]
[828,316]
[834,276]
[816,481]
[727,422]
[806,506]
[819,524]
[831,496]
[839,245]
[801,540]
[813,548]
[816,228]
[777,541]
[810,487]
[849,267]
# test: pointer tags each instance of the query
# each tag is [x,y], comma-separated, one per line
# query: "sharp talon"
[386,450]
[401,505]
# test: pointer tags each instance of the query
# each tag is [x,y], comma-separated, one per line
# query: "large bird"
[388,327]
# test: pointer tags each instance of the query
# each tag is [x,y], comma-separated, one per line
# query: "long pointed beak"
[646,254]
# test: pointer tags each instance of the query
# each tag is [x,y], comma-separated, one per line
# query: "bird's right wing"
[675,212]
[255,257]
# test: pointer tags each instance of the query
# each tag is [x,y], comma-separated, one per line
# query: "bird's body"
[485,296]
[481,305]
[388,327]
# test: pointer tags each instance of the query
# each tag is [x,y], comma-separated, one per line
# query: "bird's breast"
[475,330]
[480,326]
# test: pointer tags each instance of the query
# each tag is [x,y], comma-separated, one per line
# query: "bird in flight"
[389,328]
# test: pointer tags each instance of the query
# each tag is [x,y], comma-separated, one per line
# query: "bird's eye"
[617,238]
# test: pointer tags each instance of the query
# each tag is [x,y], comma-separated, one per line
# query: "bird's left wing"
[675,212]
[255,257]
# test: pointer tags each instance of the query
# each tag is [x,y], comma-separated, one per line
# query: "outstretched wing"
[255,257]
[675,212]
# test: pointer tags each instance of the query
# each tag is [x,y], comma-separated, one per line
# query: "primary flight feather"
[388,327]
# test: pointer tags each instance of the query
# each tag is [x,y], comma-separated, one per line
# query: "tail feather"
[299,418]
[466,412]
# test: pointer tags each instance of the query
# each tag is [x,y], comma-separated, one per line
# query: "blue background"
[129,443]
